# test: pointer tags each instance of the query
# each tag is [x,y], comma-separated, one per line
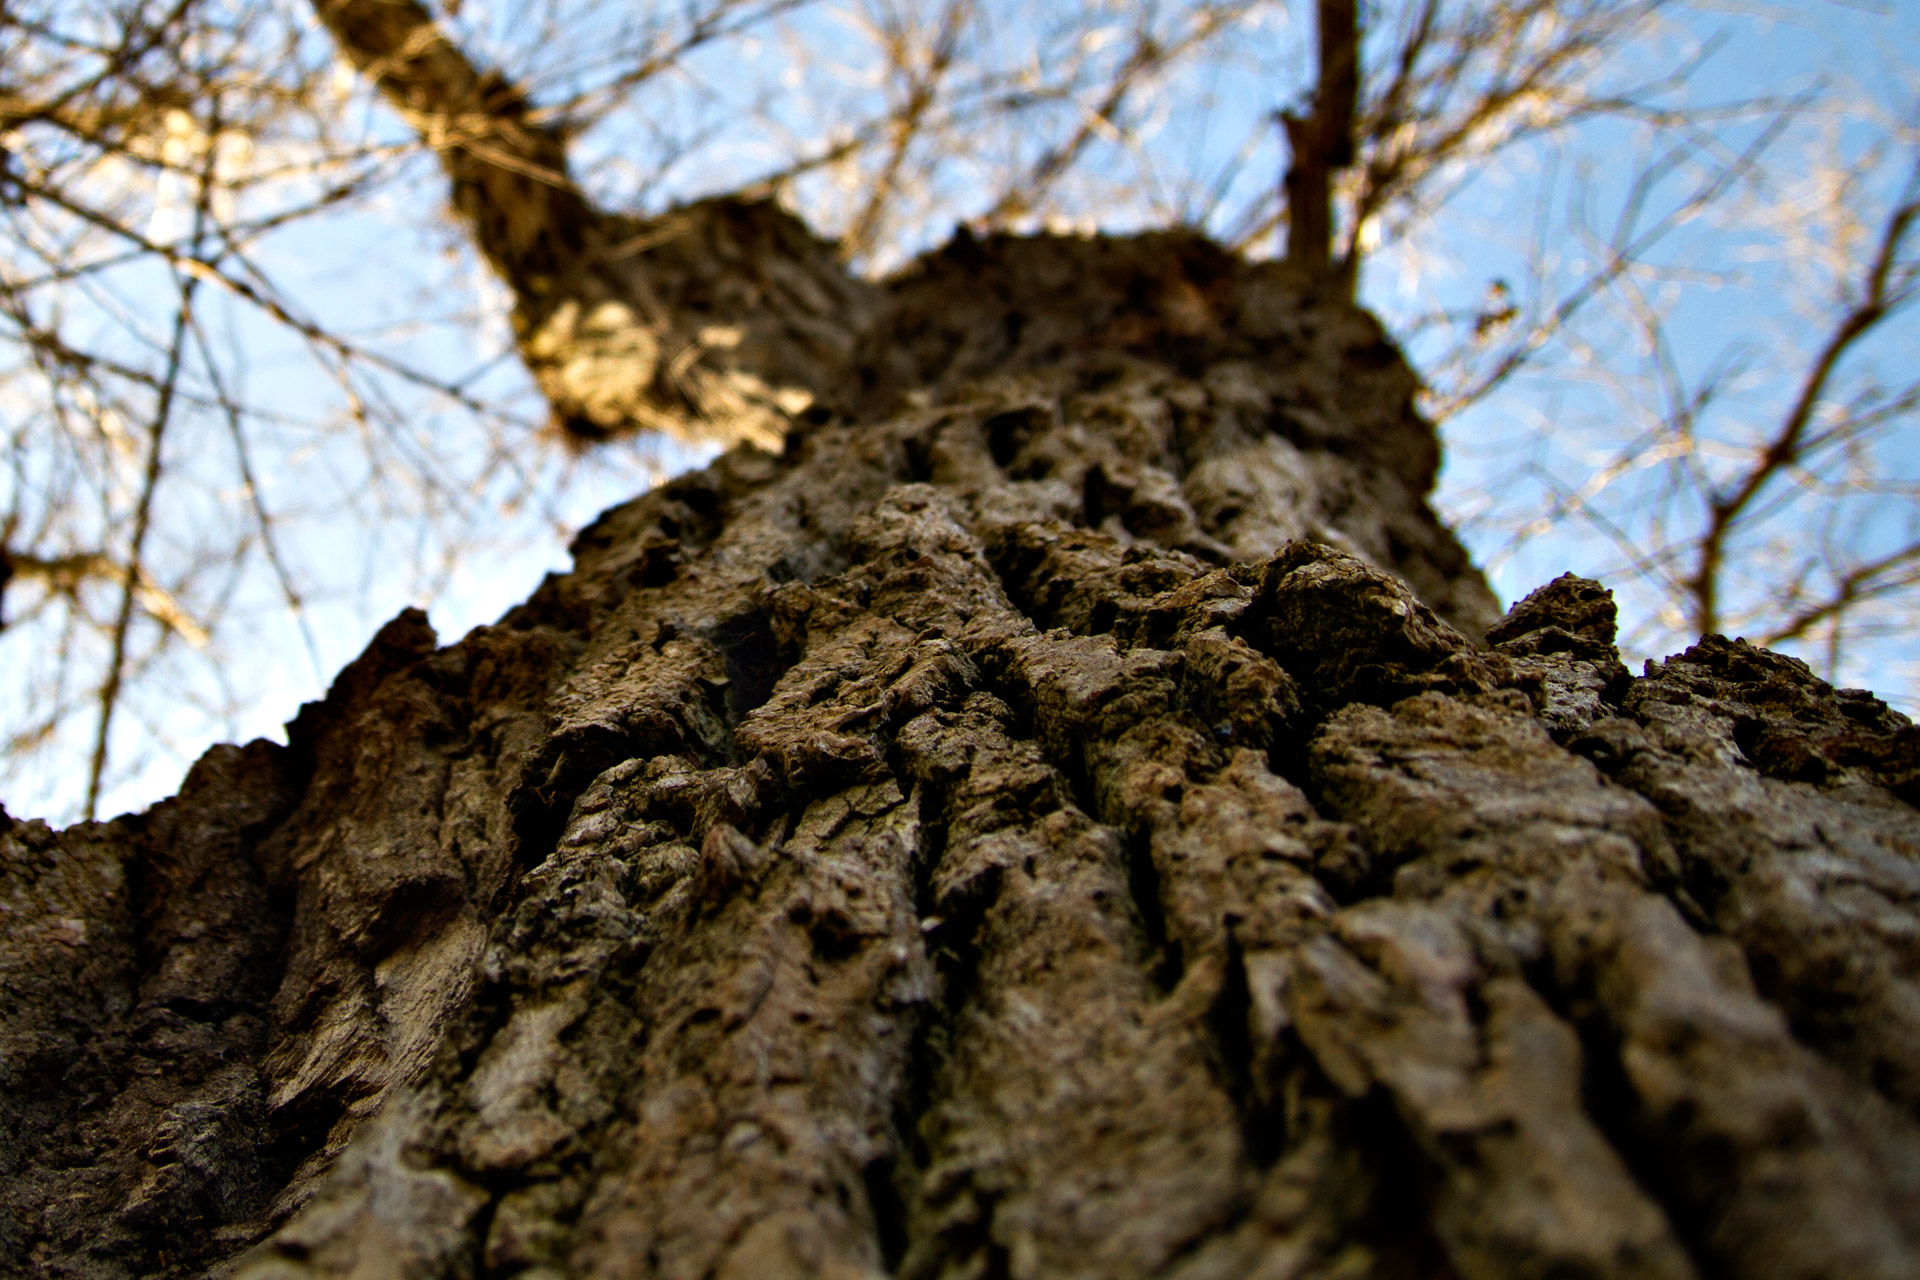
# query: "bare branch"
[1322,145]
[150,484]
[921,89]
[1883,576]
[1887,287]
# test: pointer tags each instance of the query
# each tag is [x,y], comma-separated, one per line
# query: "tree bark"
[1073,817]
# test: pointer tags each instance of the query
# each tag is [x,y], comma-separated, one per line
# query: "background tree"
[1072,810]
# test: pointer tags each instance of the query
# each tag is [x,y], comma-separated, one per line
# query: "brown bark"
[1320,145]
[1030,829]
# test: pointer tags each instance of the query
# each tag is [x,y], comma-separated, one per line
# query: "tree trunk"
[1060,819]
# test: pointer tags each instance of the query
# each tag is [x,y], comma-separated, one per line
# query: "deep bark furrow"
[1052,932]
[1023,1097]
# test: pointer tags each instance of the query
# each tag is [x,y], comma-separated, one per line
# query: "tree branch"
[1876,578]
[1888,286]
[187,285]
[1322,144]
[509,175]
[718,320]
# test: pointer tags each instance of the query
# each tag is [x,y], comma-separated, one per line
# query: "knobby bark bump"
[1071,811]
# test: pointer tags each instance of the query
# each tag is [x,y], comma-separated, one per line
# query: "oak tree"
[1052,800]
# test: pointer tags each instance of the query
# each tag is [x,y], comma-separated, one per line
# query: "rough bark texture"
[1057,818]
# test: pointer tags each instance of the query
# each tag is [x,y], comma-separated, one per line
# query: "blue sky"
[1741,308]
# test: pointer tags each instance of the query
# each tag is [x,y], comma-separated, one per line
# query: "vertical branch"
[6,566]
[188,285]
[142,520]
[1322,144]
